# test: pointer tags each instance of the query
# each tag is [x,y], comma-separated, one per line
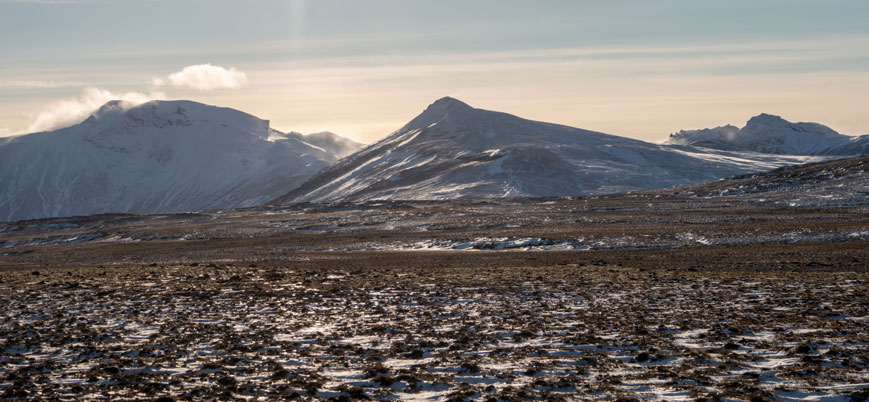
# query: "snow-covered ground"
[819,203]
[718,291]
[540,333]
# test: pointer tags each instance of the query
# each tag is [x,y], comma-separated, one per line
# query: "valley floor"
[636,296]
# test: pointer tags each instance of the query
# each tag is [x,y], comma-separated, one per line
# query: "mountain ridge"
[158,156]
[452,150]
[769,133]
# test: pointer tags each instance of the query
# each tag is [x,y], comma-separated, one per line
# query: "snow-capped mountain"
[772,134]
[332,143]
[159,156]
[452,150]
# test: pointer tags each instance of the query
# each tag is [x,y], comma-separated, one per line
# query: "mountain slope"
[772,134]
[841,182]
[452,150]
[160,156]
[326,141]
[332,143]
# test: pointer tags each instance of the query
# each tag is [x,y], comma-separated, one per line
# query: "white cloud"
[205,77]
[67,112]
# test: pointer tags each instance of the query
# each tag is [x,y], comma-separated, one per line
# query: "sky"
[363,68]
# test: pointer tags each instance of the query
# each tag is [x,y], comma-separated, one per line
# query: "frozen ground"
[824,203]
[725,291]
[533,332]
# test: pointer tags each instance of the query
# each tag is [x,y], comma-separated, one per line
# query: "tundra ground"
[636,296]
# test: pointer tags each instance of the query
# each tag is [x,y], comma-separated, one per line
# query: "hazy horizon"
[363,69]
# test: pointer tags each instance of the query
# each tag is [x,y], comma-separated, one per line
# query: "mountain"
[772,134]
[852,146]
[841,182]
[159,156]
[325,141]
[332,143]
[453,150]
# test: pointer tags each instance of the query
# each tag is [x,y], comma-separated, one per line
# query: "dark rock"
[802,349]
[414,354]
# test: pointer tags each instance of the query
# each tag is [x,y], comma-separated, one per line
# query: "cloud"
[69,111]
[40,84]
[49,1]
[205,77]
[66,112]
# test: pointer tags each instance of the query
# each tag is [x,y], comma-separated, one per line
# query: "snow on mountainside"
[327,141]
[159,156]
[841,182]
[772,134]
[452,150]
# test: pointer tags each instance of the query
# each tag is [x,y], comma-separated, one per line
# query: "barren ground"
[635,296]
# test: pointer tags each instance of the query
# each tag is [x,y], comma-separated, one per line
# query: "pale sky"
[363,68]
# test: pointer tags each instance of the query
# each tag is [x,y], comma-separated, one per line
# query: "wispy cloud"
[66,112]
[40,84]
[49,1]
[205,77]
[73,110]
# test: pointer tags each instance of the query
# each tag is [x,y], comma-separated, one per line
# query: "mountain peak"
[775,126]
[447,104]
[158,156]
[767,133]
[451,101]
[455,151]
[765,118]
[162,114]
[438,111]
[113,107]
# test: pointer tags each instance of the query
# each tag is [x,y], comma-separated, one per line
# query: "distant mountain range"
[453,150]
[160,156]
[772,134]
[168,156]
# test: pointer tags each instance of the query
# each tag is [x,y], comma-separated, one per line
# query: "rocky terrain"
[512,328]
[698,293]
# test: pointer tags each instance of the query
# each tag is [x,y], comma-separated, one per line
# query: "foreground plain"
[748,289]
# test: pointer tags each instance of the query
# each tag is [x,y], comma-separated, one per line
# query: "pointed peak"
[443,108]
[447,104]
[449,100]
